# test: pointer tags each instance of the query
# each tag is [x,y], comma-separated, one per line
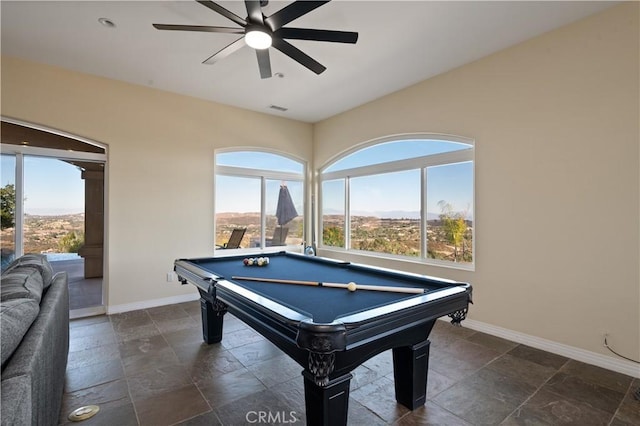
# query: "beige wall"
[160,163]
[555,122]
[556,125]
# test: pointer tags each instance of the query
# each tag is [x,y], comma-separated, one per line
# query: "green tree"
[71,242]
[333,236]
[8,206]
[454,226]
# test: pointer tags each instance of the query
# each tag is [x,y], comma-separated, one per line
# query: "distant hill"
[390,214]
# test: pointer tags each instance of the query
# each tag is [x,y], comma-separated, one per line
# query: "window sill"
[470,267]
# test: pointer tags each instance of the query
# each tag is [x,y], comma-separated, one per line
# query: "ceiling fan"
[261,32]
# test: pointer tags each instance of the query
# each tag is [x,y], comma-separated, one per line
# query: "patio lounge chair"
[234,240]
[279,237]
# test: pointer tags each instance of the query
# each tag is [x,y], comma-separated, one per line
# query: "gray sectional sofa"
[34,321]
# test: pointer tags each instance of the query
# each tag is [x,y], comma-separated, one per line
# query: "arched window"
[408,196]
[259,200]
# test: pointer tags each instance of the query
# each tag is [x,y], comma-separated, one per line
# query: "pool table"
[329,331]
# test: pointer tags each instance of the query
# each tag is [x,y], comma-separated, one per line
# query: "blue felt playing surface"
[323,304]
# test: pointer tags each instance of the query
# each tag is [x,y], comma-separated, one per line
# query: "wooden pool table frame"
[329,352]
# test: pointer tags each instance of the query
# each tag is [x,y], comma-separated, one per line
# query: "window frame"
[263,175]
[420,163]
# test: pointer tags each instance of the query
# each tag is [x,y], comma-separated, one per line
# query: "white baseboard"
[146,304]
[618,365]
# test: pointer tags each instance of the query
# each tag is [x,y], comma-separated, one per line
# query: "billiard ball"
[245,261]
[351,286]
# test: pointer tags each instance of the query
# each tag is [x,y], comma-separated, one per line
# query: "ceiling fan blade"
[264,63]
[317,35]
[202,28]
[291,12]
[298,55]
[222,11]
[254,11]
[225,51]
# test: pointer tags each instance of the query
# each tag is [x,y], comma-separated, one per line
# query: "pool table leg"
[212,319]
[327,405]
[410,368]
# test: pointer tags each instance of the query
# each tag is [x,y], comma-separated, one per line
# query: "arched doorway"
[57,182]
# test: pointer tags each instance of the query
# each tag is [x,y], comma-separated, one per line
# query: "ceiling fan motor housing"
[261,32]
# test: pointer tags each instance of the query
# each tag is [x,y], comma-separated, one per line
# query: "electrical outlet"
[171,277]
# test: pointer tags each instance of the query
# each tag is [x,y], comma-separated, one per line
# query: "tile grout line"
[213,415]
[536,391]
[615,414]
[457,381]
[211,410]
[126,376]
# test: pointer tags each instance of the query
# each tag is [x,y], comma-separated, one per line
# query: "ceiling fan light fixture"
[257,38]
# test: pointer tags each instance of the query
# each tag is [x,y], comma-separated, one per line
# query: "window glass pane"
[333,212]
[53,206]
[283,222]
[260,160]
[284,211]
[8,209]
[393,151]
[385,213]
[234,211]
[450,212]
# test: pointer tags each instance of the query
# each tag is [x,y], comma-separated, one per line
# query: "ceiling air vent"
[278,108]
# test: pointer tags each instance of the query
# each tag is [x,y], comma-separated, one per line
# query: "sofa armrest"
[43,353]
[16,400]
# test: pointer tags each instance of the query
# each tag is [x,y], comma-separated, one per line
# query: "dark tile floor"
[150,367]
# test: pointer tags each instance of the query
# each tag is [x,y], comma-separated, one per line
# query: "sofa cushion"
[16,316]
[21,283]
[37,261]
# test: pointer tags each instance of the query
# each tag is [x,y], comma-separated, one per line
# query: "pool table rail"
[329,351]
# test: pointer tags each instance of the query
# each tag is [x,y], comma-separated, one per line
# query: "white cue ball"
[351,286]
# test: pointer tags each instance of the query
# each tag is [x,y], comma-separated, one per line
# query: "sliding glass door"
[52,188]
[50,219]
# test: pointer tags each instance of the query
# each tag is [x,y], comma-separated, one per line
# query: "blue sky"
[55,187]
[51,186]
[261,160]
[395,150]
[381,194]
[398,193]
[243,195]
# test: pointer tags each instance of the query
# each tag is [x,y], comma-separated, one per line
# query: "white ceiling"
[400,43]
